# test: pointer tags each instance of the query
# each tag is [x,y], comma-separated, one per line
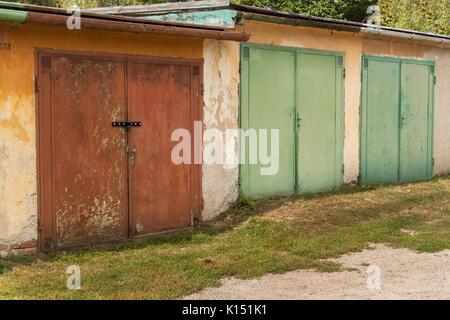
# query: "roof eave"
[30,14]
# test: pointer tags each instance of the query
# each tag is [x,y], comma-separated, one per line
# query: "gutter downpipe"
[377,33]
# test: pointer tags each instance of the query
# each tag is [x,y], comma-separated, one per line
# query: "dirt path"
[404,275]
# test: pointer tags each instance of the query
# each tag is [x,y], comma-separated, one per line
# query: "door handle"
[299,120]
[402,121]
[131,151]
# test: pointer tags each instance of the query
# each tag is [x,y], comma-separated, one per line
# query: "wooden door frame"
[363,111]
[44,140]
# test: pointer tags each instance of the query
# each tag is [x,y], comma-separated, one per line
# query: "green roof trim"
[13,15]
[225,18]
[4,4]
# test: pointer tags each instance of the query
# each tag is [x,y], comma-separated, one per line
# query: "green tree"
[421,15]
[90,3]
[354,10]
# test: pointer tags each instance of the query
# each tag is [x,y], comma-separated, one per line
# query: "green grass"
[254,238]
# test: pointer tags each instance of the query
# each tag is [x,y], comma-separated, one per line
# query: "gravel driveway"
[403,275]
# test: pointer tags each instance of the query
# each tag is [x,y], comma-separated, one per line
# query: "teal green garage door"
[396,120]
[300,93]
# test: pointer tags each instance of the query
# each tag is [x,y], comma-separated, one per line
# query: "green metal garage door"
[320,121]
[300,93]
[269,85]
[396,120]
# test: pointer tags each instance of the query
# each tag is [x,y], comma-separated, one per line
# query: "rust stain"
[167,204]
[89,161]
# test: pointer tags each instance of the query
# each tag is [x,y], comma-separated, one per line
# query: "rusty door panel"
[161,192]
[92,186]
[89,165]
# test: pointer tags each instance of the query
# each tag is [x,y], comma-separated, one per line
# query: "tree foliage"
[339,9]
[422,15]
[90,3]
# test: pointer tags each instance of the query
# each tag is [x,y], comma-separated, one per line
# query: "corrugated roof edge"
[312,21]
[271,12]
[168,7]
[56,16]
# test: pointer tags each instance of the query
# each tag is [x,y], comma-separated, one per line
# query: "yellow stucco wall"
[18,191]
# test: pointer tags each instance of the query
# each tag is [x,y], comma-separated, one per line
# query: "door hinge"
[36,84]
[432,162]
[343,73]
[434,79]
[48,245]
[130,231]
[343,168]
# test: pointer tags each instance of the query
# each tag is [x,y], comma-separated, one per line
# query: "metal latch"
[131,150]
[127,124]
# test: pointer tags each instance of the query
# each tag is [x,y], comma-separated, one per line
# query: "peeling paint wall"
[18,174]
[221,108]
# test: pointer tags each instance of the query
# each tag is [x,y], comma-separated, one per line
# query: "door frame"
[363,110]
[45,209]
[244,105]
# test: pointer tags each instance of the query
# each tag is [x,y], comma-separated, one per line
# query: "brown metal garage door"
[99,182]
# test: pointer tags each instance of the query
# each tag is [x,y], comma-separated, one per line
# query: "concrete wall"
[441,109]
[18,175]
[221,108]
